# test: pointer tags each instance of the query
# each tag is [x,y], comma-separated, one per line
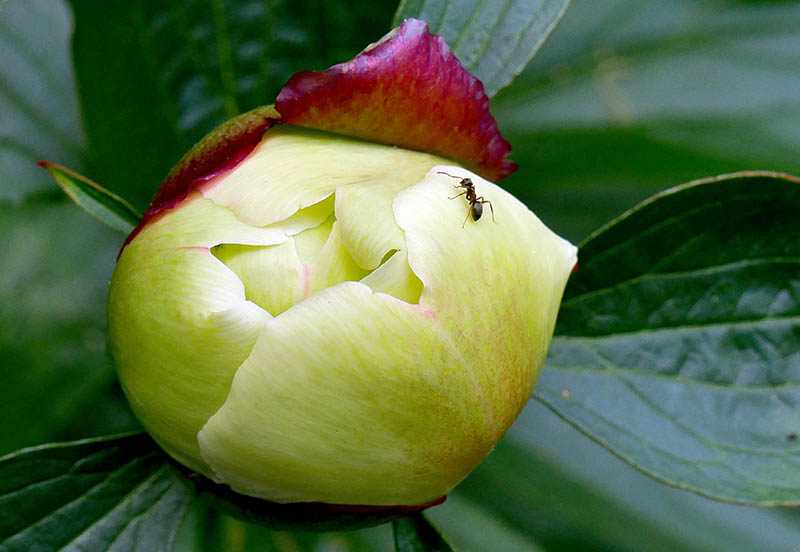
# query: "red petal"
[407,90]
[221,150]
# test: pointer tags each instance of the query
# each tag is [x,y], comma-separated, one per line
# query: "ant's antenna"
[448,174]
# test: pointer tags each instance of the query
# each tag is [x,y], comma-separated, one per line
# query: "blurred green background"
[625,99]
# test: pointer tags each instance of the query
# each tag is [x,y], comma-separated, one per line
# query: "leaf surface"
[415,533]
[627,98]
[97,494]
[122,493]
[546,486]
[108,208]
[39,114]
[677,345]
[56,265]
[156,76]
[494,40]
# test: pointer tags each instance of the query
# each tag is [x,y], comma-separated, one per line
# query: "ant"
[475,201]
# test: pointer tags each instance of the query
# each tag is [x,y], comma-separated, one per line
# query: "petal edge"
[222,149]
[437,106]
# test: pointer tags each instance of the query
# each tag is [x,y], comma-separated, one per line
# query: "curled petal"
[355,396]
[407,90]
[219,151]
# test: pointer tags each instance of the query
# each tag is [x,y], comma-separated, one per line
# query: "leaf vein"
[701,271]
[131,464]
[649,471]
[126,498]
[681,379]
[751,322]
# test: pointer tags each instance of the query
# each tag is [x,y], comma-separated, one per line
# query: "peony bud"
[311,317]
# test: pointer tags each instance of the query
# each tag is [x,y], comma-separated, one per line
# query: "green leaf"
[628,97]
[108,208]
[677,342]
[546,486]
[296,516]
[122,493]
[699,77]
[156,76]
[414,533]
[97,494]
[38,105]
[206,529]
[470,525]
[494,40]
[56,266]
[559,512]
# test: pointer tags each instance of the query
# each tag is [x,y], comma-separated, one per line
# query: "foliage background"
[625,99]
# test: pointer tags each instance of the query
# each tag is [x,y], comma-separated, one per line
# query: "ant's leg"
[480,199]
[467,217]
[458,195]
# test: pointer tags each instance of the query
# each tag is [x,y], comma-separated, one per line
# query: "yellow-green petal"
[495,285]
[293,168]
[395,278]
[358,397]
[177,340]
[349,397]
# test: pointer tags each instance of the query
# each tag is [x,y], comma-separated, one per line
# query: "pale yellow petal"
[495,284]
[293,168]
[179,327]
[349,397]
[395,278]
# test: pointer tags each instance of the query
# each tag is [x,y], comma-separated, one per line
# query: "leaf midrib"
[685,327]
[672,377]
[129,465]
[153,477]
[650,471]
[702,271]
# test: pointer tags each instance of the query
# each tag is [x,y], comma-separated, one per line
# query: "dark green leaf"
[122,493]
[625,64]
[206,529]
[56,266]
[156,76]
[298,516]
[39,114]
[472,526]
[108,208]
[98,494]
[494,40]
[547,487]
[414,533]
[542,502]
[628,97]
[677,342]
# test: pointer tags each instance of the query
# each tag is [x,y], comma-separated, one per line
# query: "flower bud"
[322,319]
